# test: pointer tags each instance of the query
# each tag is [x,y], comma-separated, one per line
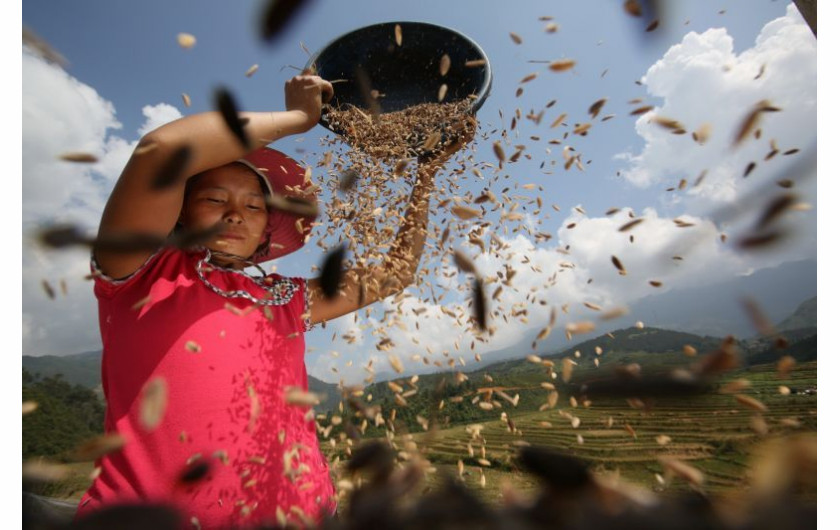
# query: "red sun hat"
[283,176]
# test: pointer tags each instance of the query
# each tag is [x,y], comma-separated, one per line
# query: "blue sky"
[698,66]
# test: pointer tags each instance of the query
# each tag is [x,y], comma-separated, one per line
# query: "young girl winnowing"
[223,344]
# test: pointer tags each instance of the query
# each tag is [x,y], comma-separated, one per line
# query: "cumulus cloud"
[678,244]
[61,114]
[702,81]
[429,336]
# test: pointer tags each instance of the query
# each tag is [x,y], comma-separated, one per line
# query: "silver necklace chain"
[281,291]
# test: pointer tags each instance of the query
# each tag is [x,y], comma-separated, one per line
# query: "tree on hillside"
[66,415]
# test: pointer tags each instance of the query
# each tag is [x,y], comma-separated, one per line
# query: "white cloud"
[62,114]
[546,277]
[703,81]
[157,115]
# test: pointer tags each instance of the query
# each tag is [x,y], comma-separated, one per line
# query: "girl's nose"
[233,216]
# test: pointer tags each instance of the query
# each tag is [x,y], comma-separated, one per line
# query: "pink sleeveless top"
[226,364]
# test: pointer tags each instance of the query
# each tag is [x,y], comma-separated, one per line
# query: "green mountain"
[802,350]
[66,415]
[440,394]
[329,393]
[79,369]
[805,316]
[432,394]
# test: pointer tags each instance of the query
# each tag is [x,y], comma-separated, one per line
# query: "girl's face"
[231,195]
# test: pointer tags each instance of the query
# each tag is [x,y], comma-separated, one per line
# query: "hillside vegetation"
[66,415]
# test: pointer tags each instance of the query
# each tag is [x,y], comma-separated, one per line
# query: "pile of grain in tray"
[401,134]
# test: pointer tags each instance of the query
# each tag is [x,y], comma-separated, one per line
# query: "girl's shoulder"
[167,261]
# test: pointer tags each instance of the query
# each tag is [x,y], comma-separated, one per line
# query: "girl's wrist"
[299,122]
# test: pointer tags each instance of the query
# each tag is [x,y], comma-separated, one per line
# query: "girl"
[232,448]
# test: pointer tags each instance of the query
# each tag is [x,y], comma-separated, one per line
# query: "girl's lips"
[228,235]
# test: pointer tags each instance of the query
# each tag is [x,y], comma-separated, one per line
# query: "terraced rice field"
[714,433]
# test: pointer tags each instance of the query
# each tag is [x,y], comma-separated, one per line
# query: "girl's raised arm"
[136,207]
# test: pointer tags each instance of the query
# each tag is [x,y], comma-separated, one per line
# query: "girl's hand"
[305,95]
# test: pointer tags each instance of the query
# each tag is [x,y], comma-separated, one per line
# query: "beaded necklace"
[280,291]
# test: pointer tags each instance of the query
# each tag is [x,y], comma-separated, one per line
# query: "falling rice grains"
[83,158]
[681,469]
[276,16]
[225,103]
[465,212]
[398,36]
[348,179]
[568,366]
[100,446]
[186,40]
[332,273]
[560,119]
[668,123]
[618,265]
[596,107]
[528,78]
[479,304]
[701,135]
[298,397]
[48,289]
[751,403]
[172,168]
[785,365]
[396,364]
[561,65]
[579,328]
[499,151]
[445,63]
[750,121]
[627,226]
[614,313]
[153,404]
[515,38]
[633,8]
[463,263]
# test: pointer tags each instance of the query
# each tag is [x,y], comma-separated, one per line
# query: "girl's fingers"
[323,85]
[327,89]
